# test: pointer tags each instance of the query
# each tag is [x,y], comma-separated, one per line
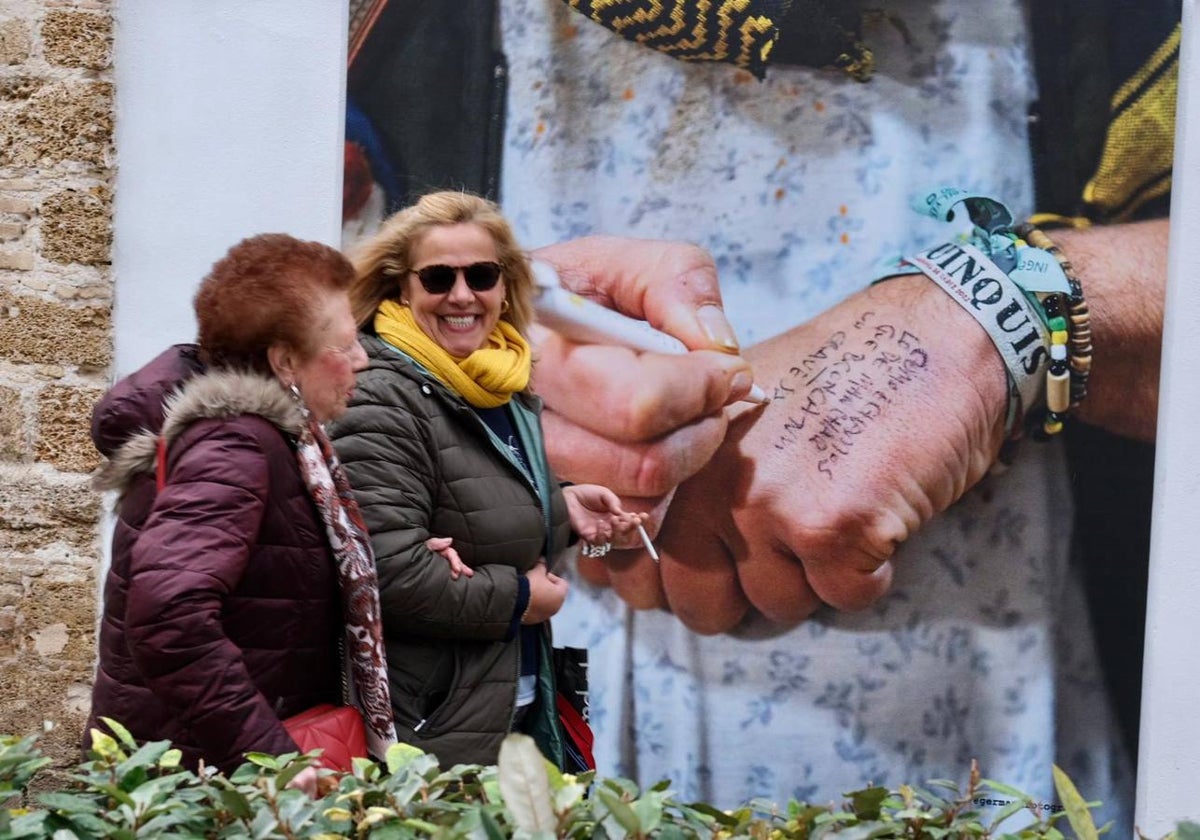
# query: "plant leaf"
[236,803]
[264,824]
[1188,831]
[567,796]
[621,812]
[145,756]
[106,745]
[68,803]
[714,812]
[525,784]
[866,831]
[649,811]
[399,755]
[1007,790]
[867,801]
[121,732]
[1006,812]
[263,760]
[490,826]
[1077,810]
[290,771]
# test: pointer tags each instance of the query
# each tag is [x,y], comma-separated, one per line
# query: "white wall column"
[1169,759]
[229,123]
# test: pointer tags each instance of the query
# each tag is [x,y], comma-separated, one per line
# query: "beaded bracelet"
[1020,268]
[1071,338]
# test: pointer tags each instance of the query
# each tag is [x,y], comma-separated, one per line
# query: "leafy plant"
[129,791]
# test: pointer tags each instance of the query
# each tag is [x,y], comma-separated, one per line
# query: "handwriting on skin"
[844,386]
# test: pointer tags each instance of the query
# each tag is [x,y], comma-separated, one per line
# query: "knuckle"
[710,620]
[637,418]
[654,475]
[691,258]
[717,382]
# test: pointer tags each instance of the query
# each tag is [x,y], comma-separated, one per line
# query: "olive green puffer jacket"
[423,464]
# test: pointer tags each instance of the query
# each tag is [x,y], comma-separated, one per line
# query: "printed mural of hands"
[886,408]
[778,509]
[638,423]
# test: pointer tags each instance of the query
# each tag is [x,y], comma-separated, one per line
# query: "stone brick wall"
[56,170]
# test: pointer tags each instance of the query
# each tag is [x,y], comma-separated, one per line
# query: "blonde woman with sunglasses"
[443,443]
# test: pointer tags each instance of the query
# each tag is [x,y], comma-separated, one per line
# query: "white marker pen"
[586,321]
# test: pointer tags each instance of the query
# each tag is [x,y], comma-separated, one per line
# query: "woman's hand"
[306,780]
[444,547]
[597,516]
[547,592]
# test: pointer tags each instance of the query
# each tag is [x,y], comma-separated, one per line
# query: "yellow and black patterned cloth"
[744,33]
[1103,130]
[1135,166]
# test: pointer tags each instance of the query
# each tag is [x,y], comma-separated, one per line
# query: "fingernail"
[717,327]
[742,382]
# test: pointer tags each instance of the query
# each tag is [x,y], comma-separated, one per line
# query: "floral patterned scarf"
[330,490]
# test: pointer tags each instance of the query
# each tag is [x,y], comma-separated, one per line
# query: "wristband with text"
[1017,292]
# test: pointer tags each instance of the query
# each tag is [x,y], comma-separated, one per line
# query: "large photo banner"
[862,575]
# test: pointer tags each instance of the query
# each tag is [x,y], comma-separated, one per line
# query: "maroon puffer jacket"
[221,608]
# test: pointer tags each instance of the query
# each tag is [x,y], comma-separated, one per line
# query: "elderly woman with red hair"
[232,582]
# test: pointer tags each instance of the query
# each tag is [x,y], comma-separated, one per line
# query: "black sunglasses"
[439,279]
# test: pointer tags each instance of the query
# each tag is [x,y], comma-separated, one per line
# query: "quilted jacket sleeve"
[187,561]
[387,447]
[136,402]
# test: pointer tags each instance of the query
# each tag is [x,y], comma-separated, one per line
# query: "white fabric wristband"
[1001,308]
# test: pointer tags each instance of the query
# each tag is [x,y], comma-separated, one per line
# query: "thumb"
[672,285]
[608,500]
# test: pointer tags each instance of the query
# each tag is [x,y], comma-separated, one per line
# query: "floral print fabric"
[799,186]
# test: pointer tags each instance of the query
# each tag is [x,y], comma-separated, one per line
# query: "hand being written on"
[885,409]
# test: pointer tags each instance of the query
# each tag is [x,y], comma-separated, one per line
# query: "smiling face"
[461,319]
[325,375]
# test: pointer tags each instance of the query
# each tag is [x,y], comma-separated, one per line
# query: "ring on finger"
[595,551]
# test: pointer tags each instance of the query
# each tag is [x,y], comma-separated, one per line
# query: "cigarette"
[580,319]
[646,542]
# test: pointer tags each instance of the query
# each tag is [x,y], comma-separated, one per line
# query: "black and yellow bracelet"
[1071,338]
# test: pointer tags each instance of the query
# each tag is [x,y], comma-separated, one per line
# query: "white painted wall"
[1169,757]
[229,123]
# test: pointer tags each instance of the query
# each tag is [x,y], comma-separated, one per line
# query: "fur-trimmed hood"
[207,396]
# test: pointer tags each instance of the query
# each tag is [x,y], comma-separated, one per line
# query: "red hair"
[266,290]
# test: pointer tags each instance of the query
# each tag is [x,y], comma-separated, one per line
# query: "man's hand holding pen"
[768,519]
[639,423]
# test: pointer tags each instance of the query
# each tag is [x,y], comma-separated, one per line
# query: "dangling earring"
[294,390]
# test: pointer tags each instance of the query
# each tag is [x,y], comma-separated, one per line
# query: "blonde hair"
[382,262]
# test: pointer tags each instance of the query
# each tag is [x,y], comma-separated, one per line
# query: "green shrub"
[129,791]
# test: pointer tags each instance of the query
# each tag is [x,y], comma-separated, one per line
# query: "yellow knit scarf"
[485,379]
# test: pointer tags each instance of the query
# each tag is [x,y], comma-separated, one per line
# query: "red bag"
[338,730]
[571,699]
[578,737]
